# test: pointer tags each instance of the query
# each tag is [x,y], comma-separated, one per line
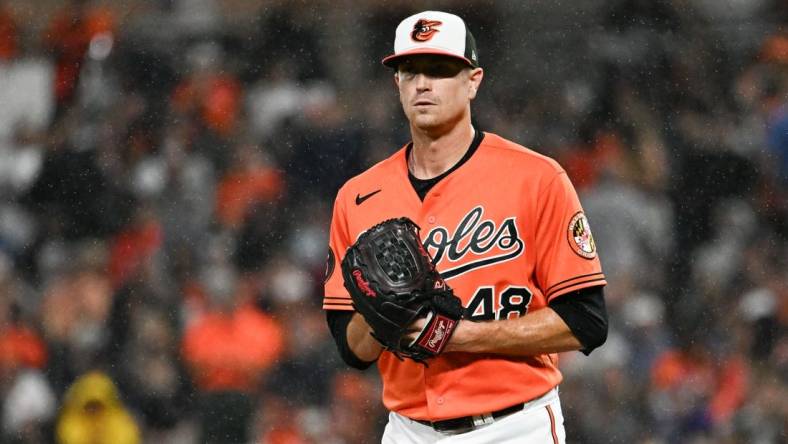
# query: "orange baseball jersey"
[507,232]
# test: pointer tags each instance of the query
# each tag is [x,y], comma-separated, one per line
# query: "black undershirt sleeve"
[585,313]
[338,321]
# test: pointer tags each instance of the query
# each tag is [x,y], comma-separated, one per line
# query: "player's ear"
[396,79]
[476,75]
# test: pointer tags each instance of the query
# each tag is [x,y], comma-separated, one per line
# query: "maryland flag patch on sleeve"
[580,238]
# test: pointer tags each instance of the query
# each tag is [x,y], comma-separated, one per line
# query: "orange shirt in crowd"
[215,98]
[21,346]
[228,352]
[239,191]
[131,248]
[7,34]
[584,164]
[725,384]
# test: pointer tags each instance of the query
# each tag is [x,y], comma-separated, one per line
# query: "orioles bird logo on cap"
[424,29]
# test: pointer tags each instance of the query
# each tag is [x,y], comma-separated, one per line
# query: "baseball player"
[506,231]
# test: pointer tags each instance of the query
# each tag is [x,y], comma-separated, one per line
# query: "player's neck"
[433,155]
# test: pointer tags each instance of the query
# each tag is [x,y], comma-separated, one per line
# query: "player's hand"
[415,329]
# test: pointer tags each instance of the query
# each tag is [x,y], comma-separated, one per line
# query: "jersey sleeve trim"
[342,307]
[337,303]
[576,284]
[566,281]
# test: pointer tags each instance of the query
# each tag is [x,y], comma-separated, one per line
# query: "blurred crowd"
[167,171]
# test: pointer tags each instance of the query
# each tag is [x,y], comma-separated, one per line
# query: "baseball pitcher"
[462,264]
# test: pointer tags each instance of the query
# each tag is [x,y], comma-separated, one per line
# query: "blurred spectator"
[762,419]
[209,94]
[28,402]
[20,347]
[775,48]
[289,31]
[74,313]
[328,151]
[28,409]
[28,106]
[93,413]
[274,98]
[632,219]
[776,104]
[8,33]
[310,354]
[174,182]
[693,393]
[133,247]
[67,37]
[277,423]
[352,414]
[75,197]
[143,350]
[228,349]
[195,16]
[250,180]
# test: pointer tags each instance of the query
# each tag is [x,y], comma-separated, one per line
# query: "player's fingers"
[417,325]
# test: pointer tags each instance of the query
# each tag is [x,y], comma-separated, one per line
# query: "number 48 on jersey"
[485,305]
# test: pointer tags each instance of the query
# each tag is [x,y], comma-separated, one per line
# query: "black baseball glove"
[393,282]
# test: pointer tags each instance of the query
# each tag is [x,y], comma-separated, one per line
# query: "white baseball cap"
[434,32]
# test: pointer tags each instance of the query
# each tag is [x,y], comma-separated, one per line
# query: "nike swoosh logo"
[360,199]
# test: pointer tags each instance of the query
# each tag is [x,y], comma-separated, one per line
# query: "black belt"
[466,423]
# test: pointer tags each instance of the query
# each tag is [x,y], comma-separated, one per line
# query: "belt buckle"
[469,423]
[482,420]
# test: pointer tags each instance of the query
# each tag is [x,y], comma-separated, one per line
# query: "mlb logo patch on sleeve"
[580,238]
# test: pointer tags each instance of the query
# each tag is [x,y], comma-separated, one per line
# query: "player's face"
[436,91]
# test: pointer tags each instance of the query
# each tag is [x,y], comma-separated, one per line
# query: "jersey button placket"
[435,399]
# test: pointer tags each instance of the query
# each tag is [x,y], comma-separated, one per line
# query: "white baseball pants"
[540,422]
